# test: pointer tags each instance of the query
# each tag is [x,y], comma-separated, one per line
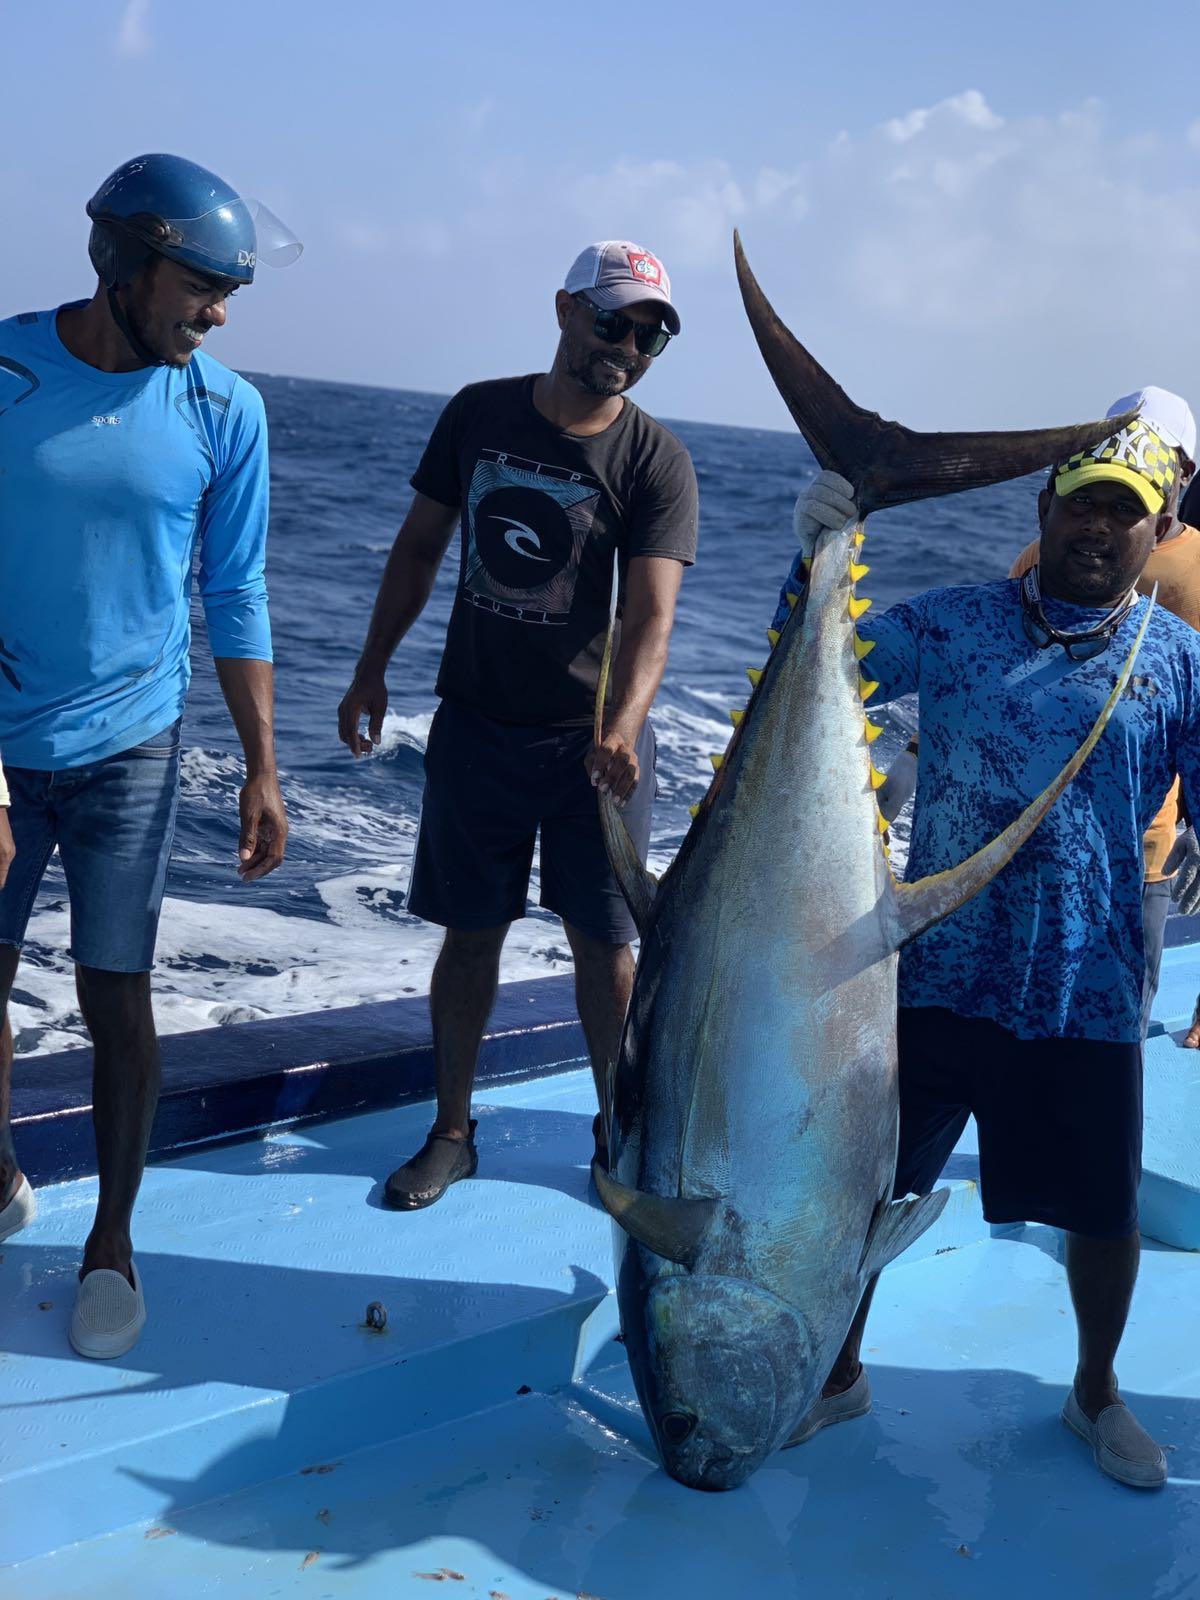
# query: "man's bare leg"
[461,995]
[603,983]
[1191,1039]
[126,1075]
[848,1365]
[1101,1274]
[10,1171]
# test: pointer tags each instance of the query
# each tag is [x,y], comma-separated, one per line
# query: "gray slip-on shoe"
[19,1212]
[1120,1444]
[109,1314]
[439,1162]
[852,1402]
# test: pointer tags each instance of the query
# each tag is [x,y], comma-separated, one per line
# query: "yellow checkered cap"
[1136,456]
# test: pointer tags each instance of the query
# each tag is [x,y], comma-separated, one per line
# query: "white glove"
[828,502]
[1184,862]
[899,786]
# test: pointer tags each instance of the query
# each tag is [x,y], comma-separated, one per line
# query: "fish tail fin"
[637,884]
[928,900]
[887,463]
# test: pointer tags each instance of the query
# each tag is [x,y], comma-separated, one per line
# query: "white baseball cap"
[616,273]
[1168,414]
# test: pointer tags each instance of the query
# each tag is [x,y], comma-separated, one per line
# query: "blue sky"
[975,216]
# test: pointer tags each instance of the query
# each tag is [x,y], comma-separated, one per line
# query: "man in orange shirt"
[1172,863]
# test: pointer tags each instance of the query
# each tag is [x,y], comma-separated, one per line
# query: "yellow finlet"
[806,563]
[736,717]
[878,779]
[718,761]
[772,637]
[694,811]
[883,823]
[857,608]
[872,732]
[754,674]
[866,687]
[791,600]
[860,538]
[862,647]
[857,571]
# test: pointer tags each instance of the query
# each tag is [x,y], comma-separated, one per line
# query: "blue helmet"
[164,204]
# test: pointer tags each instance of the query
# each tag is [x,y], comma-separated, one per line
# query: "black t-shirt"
[542,513]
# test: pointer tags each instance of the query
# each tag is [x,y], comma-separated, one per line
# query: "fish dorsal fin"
[887,463]
[671,1228]
[919,905]
[637,884]
[897,1224]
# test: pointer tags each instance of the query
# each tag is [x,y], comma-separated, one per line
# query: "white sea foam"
[269,965]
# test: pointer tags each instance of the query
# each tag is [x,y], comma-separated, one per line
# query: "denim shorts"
[113,823]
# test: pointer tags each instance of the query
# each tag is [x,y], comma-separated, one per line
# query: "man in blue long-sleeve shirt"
[125,451]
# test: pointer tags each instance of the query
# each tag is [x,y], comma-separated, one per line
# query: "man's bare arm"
[408,578]
[249,690]
[651,590]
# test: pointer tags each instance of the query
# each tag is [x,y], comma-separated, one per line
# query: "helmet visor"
[229,240]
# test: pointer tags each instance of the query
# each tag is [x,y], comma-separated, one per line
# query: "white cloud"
[980,271]
[969,109]
[133,39]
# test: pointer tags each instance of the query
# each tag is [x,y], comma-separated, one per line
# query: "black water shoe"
[439,1162]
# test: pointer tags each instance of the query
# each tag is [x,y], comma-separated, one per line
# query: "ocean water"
[329,928]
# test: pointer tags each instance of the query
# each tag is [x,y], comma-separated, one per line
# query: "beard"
[153,343]
[591,372]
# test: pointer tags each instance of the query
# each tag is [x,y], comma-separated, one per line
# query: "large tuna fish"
[754,1114]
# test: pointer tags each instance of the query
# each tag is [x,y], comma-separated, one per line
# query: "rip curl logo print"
[526,526]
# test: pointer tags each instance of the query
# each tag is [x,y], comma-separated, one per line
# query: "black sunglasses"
[613,327]
[1085,645]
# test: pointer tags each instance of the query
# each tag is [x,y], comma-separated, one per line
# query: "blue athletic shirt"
[1053,946]
[109,482]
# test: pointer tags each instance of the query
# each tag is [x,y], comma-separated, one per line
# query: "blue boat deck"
[263,1440]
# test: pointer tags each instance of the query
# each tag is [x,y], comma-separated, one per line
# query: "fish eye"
[678,1426]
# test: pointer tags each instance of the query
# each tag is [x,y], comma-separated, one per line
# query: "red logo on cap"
[646,267]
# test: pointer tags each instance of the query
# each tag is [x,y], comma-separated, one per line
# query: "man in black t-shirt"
[557,479]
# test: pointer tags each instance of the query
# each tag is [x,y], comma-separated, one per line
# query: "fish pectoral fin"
[919,905]
[897,1224]
[671,1228]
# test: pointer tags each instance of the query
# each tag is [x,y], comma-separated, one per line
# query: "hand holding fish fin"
[887,463]
[671,1228]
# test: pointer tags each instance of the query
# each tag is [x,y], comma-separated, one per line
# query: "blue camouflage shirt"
[1053,946]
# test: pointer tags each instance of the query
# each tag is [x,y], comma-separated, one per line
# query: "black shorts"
[489,787]
[1060,1120]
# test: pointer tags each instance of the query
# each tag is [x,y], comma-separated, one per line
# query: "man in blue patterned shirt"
[1023,1008]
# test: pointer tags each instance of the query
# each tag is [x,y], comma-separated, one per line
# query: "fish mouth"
[711,1467]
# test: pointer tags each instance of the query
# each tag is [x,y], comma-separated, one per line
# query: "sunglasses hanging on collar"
[1084,645]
